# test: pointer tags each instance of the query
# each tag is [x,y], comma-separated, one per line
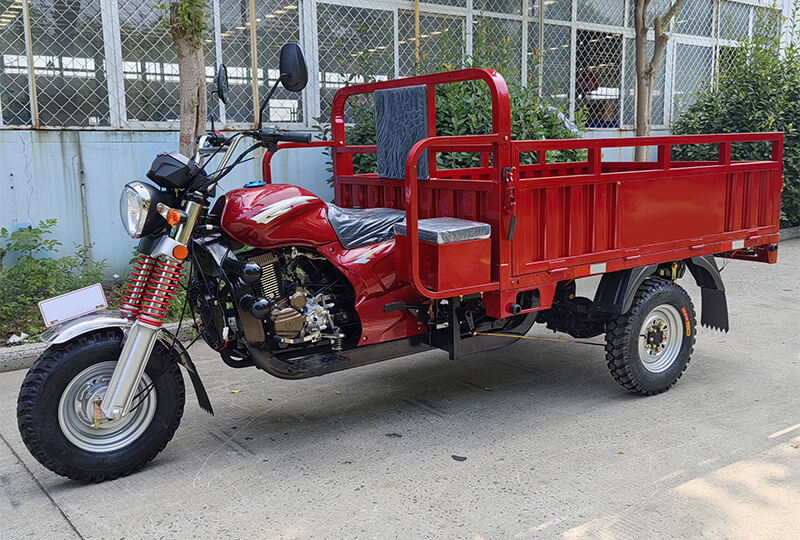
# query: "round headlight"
[137,208]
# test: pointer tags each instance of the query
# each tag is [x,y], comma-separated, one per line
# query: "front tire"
[56,403]
[649,347]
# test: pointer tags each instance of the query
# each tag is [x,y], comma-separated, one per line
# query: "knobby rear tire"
[39,401]
[623,335]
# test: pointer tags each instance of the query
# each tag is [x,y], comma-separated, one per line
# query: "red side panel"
[275,215]
[372,270]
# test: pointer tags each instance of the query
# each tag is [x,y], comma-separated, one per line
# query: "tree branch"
[663,20]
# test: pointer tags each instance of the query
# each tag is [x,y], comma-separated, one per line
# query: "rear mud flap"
[714,312]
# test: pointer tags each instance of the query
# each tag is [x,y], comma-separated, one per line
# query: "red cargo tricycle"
[409,258]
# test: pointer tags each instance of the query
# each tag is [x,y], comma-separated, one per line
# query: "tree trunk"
[647,69]
[644,109]
[194,101]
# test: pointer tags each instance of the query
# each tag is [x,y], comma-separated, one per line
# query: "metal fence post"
[669,76]
[2,70]
[623,80]
[26,20]
[396,30]
[416,37]
[715,57]
[308,36]
[115,76]
[468,31]
[541,47]
[223,118]
[524,48]
[573,63]
[622,76]
[254,60]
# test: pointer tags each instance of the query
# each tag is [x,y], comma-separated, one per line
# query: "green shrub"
[758,90]
[34,276]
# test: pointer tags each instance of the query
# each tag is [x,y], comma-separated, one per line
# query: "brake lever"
[217,139]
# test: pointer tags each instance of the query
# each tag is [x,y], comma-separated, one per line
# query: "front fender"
[69,330]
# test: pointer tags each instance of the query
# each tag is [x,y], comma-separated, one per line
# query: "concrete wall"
[76,177]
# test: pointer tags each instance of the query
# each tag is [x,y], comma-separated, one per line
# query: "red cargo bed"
[558,221]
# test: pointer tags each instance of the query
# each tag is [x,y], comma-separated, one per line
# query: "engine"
[309,301]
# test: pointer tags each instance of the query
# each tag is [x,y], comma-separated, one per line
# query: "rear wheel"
[58,404]
[648,348]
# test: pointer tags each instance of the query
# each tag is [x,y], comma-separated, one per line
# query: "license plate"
[73,304]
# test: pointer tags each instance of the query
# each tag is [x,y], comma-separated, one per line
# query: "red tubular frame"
[580,221]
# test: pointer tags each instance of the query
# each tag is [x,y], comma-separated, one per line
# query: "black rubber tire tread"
[37,405]
[622,337]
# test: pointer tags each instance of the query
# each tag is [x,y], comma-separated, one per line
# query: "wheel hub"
[84,425]
[660,338]
[656,337]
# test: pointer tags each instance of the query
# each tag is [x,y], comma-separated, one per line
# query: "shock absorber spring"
[137,282]
[156,297]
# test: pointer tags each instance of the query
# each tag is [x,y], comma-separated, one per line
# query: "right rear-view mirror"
[294,75]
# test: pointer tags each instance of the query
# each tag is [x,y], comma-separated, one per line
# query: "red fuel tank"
[276,214]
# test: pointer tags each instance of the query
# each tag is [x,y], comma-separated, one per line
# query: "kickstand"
[455,328]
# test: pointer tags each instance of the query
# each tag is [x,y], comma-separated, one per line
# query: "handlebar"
[294,137]
[269,137]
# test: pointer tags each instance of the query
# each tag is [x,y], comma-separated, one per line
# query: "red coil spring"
[137,282]
[161,284]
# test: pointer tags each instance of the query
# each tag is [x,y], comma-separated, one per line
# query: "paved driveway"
[553,446]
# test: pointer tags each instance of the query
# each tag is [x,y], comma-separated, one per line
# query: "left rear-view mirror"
[222,83]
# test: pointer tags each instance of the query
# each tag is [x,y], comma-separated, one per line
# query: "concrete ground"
[553,446]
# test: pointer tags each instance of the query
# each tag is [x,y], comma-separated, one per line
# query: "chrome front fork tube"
[150,305]
[132,361]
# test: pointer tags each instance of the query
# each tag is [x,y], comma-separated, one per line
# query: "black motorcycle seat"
[357,227]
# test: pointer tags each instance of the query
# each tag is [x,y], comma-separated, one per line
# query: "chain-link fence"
[111,64]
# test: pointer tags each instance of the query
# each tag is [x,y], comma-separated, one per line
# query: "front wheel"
[648,348]
[58,404]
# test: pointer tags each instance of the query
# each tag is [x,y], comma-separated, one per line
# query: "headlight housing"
[137,208]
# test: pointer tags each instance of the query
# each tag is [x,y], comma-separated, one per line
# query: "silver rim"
[660,338]
[77,406]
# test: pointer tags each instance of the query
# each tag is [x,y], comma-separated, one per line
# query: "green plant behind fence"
[758,90]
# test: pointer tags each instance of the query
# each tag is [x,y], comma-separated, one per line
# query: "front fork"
[147,297]
[139,344]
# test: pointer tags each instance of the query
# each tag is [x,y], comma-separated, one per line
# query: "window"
[554,57]
[734,21]
[695,17]
[277,22]
[441,43]
[557,10]
[511,7]
[629,95]
[692,72]
[608,12]
[497,44]
[70,70]
[597,77]
[355,45]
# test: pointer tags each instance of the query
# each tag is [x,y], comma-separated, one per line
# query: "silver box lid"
[446,230]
